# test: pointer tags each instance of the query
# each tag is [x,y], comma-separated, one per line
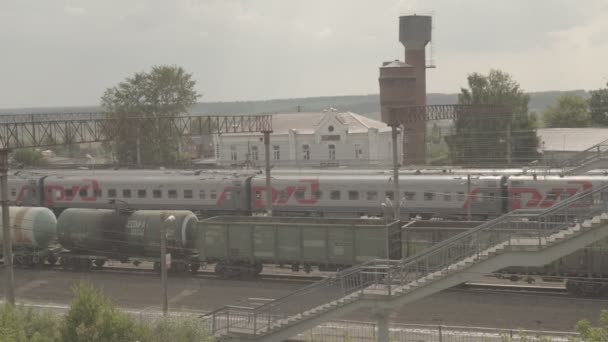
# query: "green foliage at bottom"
[92,318]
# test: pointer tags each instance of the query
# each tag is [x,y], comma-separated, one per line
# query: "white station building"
[319,139]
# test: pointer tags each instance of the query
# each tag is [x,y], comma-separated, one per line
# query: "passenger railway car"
[347,195]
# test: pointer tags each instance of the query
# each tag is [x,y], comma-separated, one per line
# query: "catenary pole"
[7,243]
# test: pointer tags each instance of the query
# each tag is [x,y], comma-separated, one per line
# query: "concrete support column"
[382,321]
[7,240]
[396,197]
[267,160]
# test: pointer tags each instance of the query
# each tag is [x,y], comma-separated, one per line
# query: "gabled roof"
[307,123]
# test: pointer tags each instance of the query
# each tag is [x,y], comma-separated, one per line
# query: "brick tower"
[404,83]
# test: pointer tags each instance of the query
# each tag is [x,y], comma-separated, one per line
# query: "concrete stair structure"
[521,238]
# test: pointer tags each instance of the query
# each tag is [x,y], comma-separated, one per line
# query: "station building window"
[276,149]
[156,193]
[306,152]
[332,151]
[172,193]
[254,153]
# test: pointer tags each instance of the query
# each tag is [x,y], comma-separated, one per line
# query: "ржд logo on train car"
[534,197]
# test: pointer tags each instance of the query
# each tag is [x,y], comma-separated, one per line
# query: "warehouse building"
[312,140]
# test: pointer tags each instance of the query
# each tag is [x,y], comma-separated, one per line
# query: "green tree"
[590,333]
[569,111]
[598,105]
[29,157]
[93,318]
[481,138]
[21,325]
[165,91]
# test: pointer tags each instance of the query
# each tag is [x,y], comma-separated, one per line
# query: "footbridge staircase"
[595,157]
[520,238]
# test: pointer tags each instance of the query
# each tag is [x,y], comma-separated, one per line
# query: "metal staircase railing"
[537,229]
[587,156]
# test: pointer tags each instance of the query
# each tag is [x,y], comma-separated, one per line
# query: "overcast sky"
[64,53]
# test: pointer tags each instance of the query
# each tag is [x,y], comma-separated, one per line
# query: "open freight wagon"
[241,245]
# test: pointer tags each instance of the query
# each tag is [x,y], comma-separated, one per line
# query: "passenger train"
[308,193]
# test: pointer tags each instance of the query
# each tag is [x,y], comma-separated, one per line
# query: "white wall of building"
[330,142]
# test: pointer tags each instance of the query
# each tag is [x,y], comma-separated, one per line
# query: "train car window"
[172,193]
[409,196]
[187,193]
[300,194]
[202,194]
[156,193]
[14,192]
[318,194]
[69,193]
[126,193]
[83,192]
[390,195]
[97,192]
[213,194]
[460,196]
[334,194]
[111,193]
[371,195]
[228,195]
[478,197]
[492,197]
[429,196]
[447,196]
[141,193]
[353,195]
[551,196]
[258,195]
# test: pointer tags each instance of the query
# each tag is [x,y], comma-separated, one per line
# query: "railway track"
[202,274]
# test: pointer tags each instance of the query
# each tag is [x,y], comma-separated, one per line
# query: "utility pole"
[396,197]
[163,260]
[267,160]
[469,199]
[7,240]
[509,147]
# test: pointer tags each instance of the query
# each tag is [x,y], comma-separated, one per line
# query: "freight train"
[239,246]
[306,194]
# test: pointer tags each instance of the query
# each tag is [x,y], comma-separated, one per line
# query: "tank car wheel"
[52,259]
[220,269]
[258,268]
[194,267]
[99,263]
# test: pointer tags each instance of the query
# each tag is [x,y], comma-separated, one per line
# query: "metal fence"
[343,331]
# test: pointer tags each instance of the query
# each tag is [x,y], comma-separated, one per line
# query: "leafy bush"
[29,157]
[20,324]
[92,317]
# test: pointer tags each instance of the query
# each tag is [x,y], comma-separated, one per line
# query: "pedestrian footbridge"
[521,238]
[593,158]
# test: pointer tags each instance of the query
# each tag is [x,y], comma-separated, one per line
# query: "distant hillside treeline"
[368,105]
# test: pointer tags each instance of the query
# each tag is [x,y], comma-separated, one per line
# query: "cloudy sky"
[63,53]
